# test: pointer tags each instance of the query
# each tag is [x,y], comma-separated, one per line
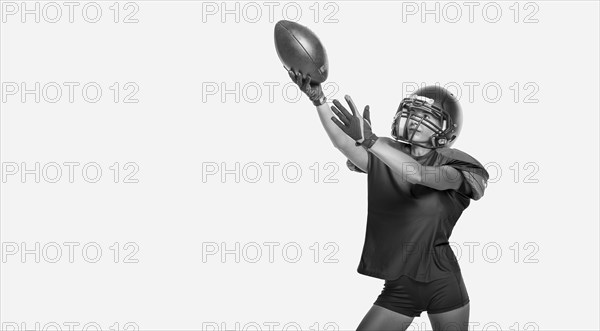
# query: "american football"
[300,49]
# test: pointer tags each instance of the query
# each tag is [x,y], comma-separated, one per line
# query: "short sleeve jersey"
[409,225]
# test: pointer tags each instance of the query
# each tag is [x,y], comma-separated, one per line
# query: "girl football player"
[417,189]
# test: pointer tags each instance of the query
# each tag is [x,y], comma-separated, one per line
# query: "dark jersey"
[409,225]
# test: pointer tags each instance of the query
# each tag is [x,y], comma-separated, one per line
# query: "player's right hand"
[313,91]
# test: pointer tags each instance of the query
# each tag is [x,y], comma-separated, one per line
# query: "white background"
[543,217]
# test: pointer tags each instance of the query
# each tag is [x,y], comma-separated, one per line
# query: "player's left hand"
[355,126]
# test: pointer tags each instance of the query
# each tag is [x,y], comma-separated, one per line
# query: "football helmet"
[426,103]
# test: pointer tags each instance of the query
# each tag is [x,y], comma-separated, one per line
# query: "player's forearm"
[400,162]
[336,135]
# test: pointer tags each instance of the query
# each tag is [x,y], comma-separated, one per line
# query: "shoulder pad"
[474,173]
[456,154]
[462,161]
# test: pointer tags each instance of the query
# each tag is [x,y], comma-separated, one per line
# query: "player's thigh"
[454,320]
[379,318]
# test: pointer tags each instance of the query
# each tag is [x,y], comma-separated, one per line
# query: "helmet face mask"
[425,107]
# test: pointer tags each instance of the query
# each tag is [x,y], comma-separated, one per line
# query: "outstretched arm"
[340,140]
[336,135]
[401,164]
[439,178]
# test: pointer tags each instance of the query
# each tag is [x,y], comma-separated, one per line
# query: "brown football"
[300,49]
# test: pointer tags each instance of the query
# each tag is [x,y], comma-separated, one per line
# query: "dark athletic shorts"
[410,297]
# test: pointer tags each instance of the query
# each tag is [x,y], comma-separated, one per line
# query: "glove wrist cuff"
[321,100]
[368,142]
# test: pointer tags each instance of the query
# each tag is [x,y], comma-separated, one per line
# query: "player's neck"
[418,150]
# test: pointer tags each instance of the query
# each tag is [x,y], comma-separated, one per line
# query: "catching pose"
[417,189]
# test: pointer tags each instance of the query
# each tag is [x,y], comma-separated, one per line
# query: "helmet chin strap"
[420,145]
